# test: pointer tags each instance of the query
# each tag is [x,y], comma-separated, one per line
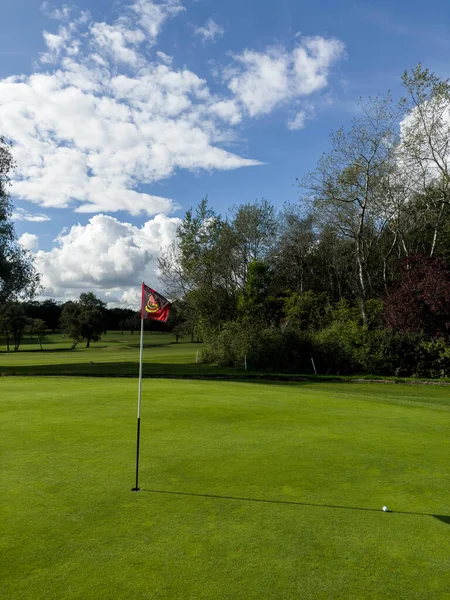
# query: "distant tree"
[18,277]
[13,321]
[115,318]
[132,323]
[48,311]
[420,300]
[38,328]
[84,320]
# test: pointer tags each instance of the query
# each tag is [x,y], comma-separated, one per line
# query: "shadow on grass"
[157,370]
[443,518]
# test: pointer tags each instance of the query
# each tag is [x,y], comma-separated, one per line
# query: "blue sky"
[123,114]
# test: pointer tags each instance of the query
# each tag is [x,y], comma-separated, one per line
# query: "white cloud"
[29,241]
[261,81]
[115,41]
[59,14]
[228,110]
[304,114]
[165,58]
[210,31]
[108,120]
[20,214]
[152,15]
[88,134]
[105,256]
[298,122]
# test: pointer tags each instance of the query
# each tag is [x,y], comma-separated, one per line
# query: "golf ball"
[385,508]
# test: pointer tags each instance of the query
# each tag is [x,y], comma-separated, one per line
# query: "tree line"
[355,276]
[82,321]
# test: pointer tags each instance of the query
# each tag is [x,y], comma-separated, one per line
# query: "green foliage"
[38,328]
[306,311]
[13,321]
[340,348]
[433,359]
[280,350]
[18,277]
[389,352]
[276,350]
[229,346]
[255,305]
[84,320]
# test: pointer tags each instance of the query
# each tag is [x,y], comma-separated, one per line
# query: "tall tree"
[425,149]
[291,253]
[256,306]
[254,228]
[18,277]
[13,321]
[420,299]
[346,188]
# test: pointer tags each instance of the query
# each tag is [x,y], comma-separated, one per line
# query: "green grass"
[114,355]
[329,455]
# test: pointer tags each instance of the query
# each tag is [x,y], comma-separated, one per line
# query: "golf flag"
[154,306]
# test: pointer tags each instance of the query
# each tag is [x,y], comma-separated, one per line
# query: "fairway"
[250,490]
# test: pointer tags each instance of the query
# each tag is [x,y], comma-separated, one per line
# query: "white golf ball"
[385,508]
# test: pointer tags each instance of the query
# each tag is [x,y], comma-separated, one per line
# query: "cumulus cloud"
[105,256]
[108,120]
[29,241]
[20,214]
[210,31]
[107,115]
[59,14]
[261,81]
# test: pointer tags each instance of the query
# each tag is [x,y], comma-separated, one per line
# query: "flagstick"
[137,489]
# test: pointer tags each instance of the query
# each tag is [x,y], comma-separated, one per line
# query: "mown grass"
[214,456]
[114,355]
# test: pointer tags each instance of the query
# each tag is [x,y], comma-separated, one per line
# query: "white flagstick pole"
[136,489]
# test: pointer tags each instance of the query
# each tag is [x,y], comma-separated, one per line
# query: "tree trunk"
[362,283]
[88,343]
[385,261]
[436,230]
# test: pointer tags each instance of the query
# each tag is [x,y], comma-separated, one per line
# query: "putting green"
[250,490]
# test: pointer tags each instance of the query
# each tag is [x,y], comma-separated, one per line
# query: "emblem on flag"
[154,306]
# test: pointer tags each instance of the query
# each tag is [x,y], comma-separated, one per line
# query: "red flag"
[153,305]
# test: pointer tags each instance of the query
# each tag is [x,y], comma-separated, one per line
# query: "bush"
[266,350]
[433,359]
[339,349]
[389,352]
[228,346]
[280,350]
